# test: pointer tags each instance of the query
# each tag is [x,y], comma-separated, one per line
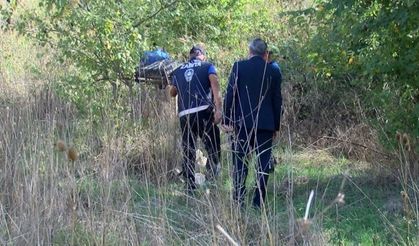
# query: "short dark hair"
[196,51]
[258,47]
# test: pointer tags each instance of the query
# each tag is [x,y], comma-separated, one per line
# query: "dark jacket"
[193,85]
[253,95]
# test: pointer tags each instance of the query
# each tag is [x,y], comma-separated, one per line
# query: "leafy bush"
[98,43]
[364,49]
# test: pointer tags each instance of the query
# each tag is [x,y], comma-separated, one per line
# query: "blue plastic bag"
[153,56]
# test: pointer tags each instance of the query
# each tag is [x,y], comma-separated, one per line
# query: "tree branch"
[162,7]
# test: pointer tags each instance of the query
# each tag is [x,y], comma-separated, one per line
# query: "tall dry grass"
[64,187]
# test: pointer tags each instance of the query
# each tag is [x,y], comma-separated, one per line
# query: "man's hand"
[227,128]
[217,117]
[172,90]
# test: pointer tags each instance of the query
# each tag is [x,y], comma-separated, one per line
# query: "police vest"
[193,86]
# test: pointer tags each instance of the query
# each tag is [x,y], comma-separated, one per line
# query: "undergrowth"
[69,179]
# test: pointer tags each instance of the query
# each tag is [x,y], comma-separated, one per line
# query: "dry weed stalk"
[304,226]
[226,235]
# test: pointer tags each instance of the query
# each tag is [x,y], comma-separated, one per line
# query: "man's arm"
[229,98]
[215,87]
[277,97]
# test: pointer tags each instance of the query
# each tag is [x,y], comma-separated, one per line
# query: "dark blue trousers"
[245,143]
[194,126]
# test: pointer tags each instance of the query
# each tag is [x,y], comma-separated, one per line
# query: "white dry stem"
[229,238]
[310,199]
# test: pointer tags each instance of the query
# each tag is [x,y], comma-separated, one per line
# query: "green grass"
[362,220]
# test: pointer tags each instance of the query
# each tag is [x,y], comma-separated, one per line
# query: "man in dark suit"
[252,109]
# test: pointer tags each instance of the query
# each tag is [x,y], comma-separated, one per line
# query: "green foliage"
[99,43]
[342,49]
[6,12]
[369,48]
[96,48]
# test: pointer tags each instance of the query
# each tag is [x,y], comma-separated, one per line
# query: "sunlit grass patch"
[364,218]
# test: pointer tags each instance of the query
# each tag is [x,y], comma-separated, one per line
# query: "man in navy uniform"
[199,109]
[252,109]
[273,54]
